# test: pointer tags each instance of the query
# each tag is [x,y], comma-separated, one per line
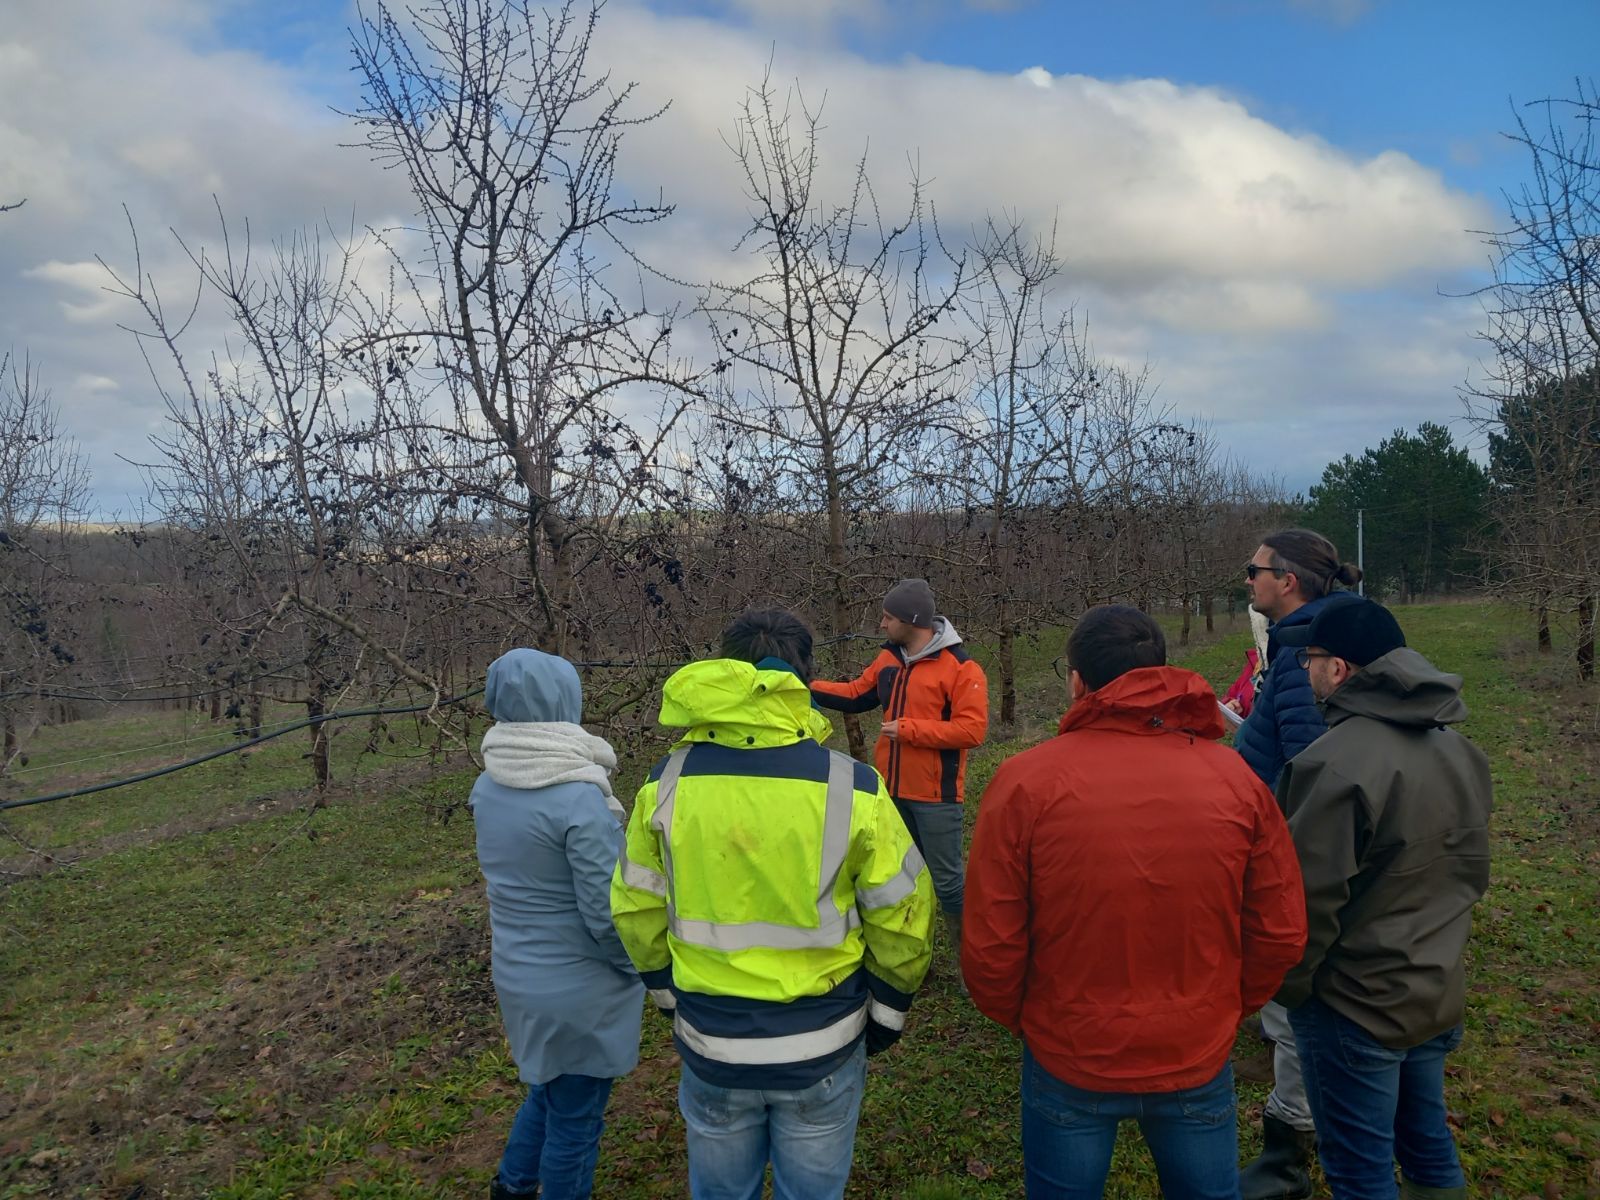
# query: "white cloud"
[1154,187]
[80,288]
[1262,272]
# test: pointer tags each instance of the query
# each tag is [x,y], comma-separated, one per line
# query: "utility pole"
[1361,557]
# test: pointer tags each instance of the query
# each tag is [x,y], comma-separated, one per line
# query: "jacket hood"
[1402,688]
[1302,616]
[528,685]
[735,703]
[1150,700]
[944,636]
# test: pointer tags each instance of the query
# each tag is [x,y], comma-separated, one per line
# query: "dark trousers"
[936,829]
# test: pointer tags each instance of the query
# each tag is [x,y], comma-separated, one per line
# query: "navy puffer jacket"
[1285,719]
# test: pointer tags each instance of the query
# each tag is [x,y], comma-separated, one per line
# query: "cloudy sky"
[1268,201]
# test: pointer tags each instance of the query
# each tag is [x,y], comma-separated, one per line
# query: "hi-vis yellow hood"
[733,703]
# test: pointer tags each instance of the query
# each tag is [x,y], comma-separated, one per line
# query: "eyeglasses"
[1251,570]
[1060,664]
[1305,655]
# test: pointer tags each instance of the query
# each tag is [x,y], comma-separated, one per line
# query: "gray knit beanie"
[911,600]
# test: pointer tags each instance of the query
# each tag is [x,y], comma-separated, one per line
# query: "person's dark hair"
[759,633]
[1313,559]
[1112,640]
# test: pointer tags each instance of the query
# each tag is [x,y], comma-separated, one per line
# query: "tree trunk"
[255,715]
[1544,627]
[1586,638]
[9,724]
[563,583]
[216,706]
[1008,673]
[319,746]
[841,600]
[1208,605]
[1188,610]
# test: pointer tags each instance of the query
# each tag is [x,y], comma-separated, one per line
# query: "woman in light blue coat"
[549,835]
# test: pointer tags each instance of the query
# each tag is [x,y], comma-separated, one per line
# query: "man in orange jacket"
[935,702]
[1134,894]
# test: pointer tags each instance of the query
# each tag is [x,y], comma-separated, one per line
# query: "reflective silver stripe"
[663,999]
[667,791]
[764,935]
[889,1018]
[642,878]
[897,888]
[760,1051]
[835,829]
[661,818]
[832,926]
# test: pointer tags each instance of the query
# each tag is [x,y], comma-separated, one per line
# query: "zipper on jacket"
[895,712]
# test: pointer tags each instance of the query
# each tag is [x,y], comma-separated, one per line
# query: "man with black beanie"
[935,701]
[1390,812]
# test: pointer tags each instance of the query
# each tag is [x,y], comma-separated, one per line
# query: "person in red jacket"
[1133,895]
[935,702]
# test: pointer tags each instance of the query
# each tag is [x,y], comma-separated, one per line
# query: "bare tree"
[833,339]
[509,141]
[44,483]
[251,470]
[1539,404]
[1030,389]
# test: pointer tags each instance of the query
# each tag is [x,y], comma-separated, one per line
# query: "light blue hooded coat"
[570,998]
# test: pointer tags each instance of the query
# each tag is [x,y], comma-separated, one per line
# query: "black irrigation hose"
[91,697]
[108,785]
[89,789]
[95,698]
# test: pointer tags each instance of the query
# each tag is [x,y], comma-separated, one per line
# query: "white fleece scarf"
[540,754]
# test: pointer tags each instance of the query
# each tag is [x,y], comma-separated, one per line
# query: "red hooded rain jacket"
[1133,891]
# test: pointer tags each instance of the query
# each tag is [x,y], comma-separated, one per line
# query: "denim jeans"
[1374,1105]
[808,1135]
[555,1139]
[1287,1101]
[1068,1135]
[936,831]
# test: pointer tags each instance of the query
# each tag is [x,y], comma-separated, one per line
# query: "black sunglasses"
[1251,570]
[1304,655]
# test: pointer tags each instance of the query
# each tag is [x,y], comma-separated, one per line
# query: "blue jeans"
[808,1135]
[555,1139]
[1374,1105]
[1068,1135]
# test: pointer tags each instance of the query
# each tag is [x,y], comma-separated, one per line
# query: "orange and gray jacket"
[939,696]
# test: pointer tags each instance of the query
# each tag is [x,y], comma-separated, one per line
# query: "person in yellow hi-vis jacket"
[776,907]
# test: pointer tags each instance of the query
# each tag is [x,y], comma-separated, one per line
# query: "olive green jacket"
[1390,815]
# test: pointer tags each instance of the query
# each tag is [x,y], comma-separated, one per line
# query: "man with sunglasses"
[1291,578]
[1390,812]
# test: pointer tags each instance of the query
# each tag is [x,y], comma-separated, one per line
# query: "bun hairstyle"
[1313,559]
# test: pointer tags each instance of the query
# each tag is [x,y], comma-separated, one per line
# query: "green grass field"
[223,996]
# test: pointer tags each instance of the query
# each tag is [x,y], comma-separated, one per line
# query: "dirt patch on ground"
[156,1101]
